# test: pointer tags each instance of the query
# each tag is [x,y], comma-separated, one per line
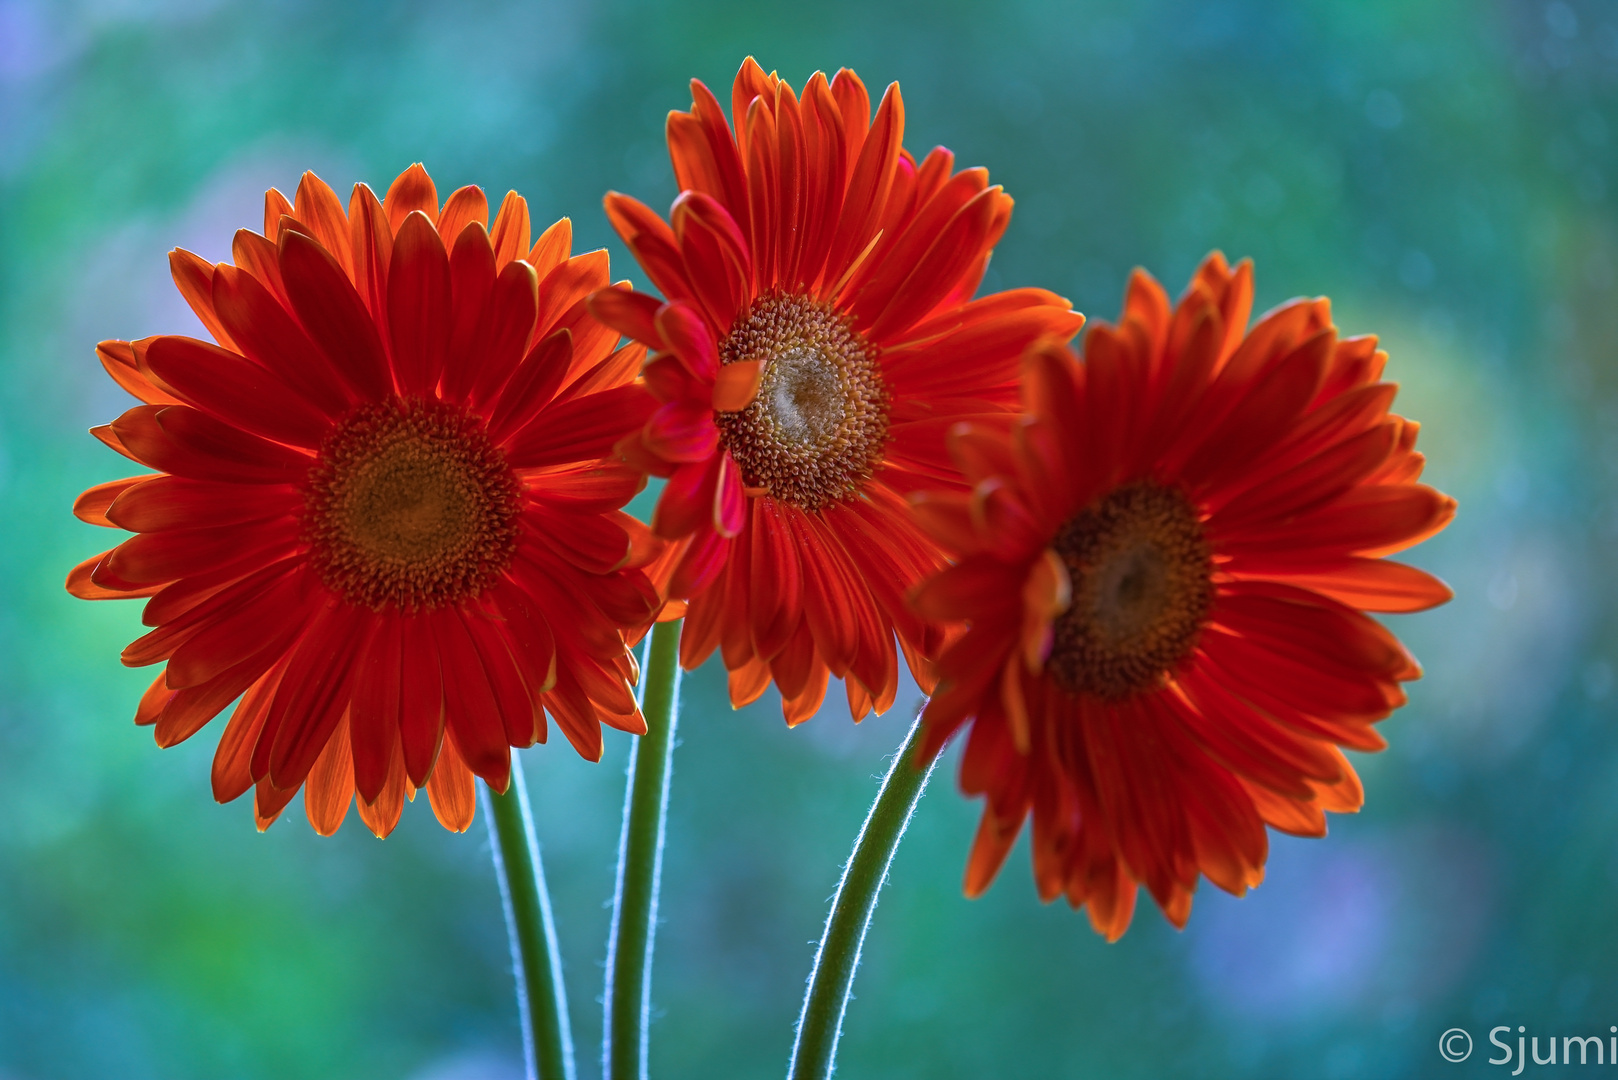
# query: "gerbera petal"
[82,582]
[262,259]
[310,702]
[464,206]
[686,334]
[419,302]
[520,711]
[552,247]
[682,431]
[164,556]
[381,815]
[91,507]
[371,248]
[317,207]
[568,283]
[1368,584]
[503,338]
[193,276]
[716,255]
[651,241]
[329,790]
[580,430]
[421,714]
[411,192]
[235,390]
[374,713]
[186,442]
[533,386]
[591,542]
[266,610]
[736,385]
[232,772]
[118,358]
[511,230]
[267,335]
[471,710]
[451,789]
[701,564]
[911,246]
[632,314]
[1367,521]
[873,153]
[471,276]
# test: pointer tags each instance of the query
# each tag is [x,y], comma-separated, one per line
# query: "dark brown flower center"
[410,505]
[816,430]
[1142,587]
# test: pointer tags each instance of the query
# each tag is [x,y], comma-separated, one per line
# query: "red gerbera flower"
[381,517]
[1165,563]
[819,339]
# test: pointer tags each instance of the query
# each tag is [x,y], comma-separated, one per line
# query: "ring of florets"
[1141,571]
[410,505]
[817,428]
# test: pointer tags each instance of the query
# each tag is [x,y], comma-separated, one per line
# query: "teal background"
[1444,170]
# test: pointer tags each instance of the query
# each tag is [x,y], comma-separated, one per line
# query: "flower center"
[816,430]
[409,504]
[1142,587]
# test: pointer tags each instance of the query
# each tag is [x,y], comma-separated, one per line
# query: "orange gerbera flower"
[381,517]
[1166,563]
[819,339]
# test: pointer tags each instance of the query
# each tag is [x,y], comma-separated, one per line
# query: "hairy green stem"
[627,1000]
[820,1024]
[541,998]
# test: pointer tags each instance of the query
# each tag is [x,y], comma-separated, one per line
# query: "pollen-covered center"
[410,505]
[816,429]
[1141,570]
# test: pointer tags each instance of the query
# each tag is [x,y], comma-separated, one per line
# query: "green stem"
[627,1000]
[820,1024]
[541,998]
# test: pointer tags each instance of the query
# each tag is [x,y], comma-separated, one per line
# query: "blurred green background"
[1444,170]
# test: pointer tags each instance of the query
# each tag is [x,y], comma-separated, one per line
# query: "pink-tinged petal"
[687,500]
[682,431]
[668,380]
[686,334]
[633,314]
[701,565]
[730,498]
